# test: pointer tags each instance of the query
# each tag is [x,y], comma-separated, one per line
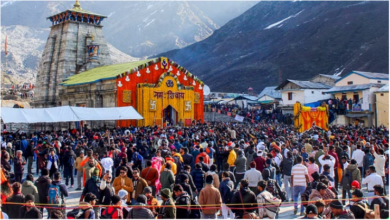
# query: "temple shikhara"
[76,70]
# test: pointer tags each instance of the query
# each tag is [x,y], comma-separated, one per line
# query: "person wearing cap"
[115,210]
[311,212]
[210,195]
[151,202]
[338,210]
[232,157]
[79,168]
[29,211]
[359,207]
[168,208]
[183,200]
[92,186]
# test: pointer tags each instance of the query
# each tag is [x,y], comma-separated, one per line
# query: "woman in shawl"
[157,163]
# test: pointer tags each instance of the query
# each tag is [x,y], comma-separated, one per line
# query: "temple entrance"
[170,116]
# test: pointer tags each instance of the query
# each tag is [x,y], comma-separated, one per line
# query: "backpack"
[179,164]
[71,160]
[77,214]
[196,209]
[54,195]
[108,215]
[368,213]
[370,161]
[347,180]
[230,194]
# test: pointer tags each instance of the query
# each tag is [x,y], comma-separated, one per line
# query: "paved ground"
[286,211]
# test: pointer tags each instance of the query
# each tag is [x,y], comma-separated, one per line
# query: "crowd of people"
[211,170]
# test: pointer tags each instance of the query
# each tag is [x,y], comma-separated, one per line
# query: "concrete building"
[75,44]
[270,97]
[359,87]
[301,91]
[326,79]
[382,106]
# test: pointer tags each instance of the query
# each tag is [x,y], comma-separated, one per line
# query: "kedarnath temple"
[75,70]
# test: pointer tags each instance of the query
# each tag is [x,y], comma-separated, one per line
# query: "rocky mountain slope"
[294,40]
[138,28]
[25,46]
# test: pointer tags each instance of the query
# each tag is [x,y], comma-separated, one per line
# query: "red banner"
[187,122]
[229,114]
[219,111]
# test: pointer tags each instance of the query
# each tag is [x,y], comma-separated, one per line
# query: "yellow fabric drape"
[305,117]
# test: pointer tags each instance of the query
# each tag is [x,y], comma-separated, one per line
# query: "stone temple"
[76,43]
[76,70]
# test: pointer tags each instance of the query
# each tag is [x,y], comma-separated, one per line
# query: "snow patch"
[5,3]
[281,21]
[149,23]
[339,73]
[149,6]
[111,14]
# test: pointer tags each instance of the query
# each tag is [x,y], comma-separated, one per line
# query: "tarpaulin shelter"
[67,114]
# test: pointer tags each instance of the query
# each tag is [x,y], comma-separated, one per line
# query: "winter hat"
[147,190]
[142,199]
[358,193]
[356,184]
[29,197]
[336,204]
[166,193]
[209,179]
[115,199]
[122,193]
[311,209]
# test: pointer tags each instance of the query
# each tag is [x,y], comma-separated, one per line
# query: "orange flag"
[5,46]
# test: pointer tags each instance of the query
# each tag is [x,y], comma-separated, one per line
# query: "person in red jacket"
[114,211]
[204,155]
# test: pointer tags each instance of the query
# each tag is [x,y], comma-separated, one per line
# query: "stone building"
[75,44]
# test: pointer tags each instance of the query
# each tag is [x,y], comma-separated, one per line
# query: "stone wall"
[65,55]
[214,116]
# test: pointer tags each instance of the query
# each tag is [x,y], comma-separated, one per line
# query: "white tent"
[67,114]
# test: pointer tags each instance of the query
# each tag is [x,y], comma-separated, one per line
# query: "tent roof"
[67,114]
[247,97]
[338,89]
[384,88]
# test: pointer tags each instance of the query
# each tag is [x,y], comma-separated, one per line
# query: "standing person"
[269,171]
[231,174]
[312,168]
[115,210]
[29,211]
[350,174]
[372,179]
[240,165]
[213,173]
[123,182]
[210,195]
[150,174]
[30,156]
[299,178]
[334,172]
[379,163]
[11,206]
[139,185]
[79,169]
[331,161]
[232,158]
[199,176]
[253,176]
[225,188]
[368,160]
[244,196]
[106,190]
[52,162]
[151,201]
[167,178]
[89,167]
[42,184]
[140,211]
[19,162]
[107,162]
[28,187]
[57,193]
[358,155]
[286,167]
[68,162]
[183,201]
[93,186]
[168,209]
[260,161]
[188,159]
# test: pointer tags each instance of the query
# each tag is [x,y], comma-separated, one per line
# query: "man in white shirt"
[253,176]
[372,179]
[107,162]
[327,159]
[299,179]
[379,163]
[358,155]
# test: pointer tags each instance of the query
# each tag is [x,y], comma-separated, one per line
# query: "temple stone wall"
[65,55]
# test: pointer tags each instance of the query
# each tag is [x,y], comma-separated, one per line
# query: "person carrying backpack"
[226,188]
[56,194]
[360,209]
[368,160]
[350,174]
[114,211]
[268,204]
[380,200]
[85,209]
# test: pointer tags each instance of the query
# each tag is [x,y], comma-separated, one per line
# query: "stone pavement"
[286,210]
